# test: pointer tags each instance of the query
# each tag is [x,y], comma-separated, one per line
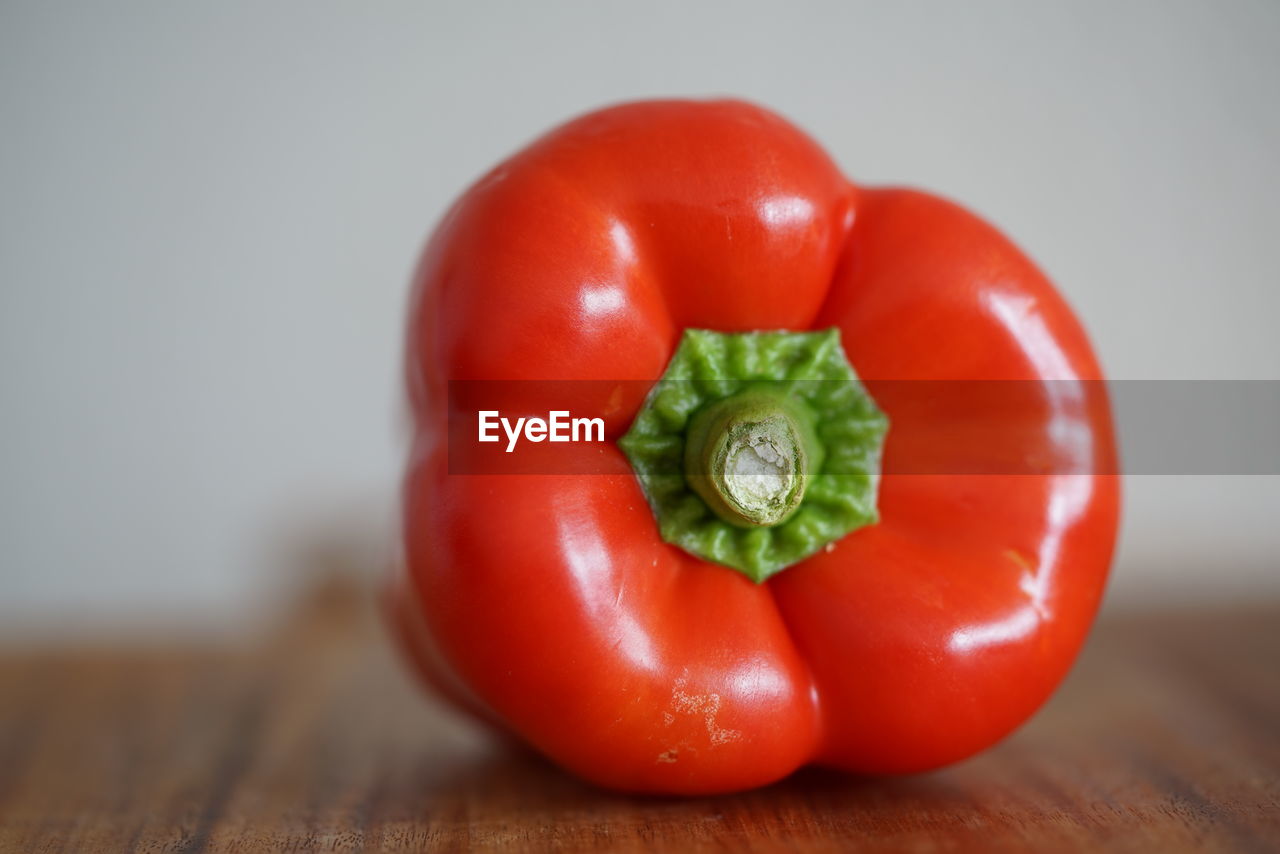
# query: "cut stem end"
[748,456]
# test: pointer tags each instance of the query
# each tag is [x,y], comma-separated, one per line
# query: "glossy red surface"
[549,602]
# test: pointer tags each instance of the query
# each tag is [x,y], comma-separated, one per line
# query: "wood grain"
[1166,738]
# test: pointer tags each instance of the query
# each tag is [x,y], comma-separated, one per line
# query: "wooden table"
[1165,738]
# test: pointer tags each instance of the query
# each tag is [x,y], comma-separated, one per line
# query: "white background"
[209,213]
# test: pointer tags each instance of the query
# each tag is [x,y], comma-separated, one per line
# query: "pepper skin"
[548,603]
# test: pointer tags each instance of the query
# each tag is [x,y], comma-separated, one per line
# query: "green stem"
[749,456]
[758,449]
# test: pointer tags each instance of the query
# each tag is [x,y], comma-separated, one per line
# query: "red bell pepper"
[669,632]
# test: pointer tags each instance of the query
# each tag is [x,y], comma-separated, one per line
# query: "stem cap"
[757,449]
